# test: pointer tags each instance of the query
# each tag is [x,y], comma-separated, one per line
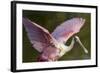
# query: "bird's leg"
[78,40]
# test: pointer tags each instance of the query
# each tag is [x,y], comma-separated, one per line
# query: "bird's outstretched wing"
[38,36]
[67,29]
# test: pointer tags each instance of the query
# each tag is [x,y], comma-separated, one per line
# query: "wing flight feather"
[67,29]
[38,36]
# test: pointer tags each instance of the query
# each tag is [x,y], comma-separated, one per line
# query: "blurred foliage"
[50,20]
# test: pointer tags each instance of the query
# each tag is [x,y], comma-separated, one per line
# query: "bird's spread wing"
[67,29]
[38,36]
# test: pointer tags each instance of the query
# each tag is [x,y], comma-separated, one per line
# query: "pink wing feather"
[67,29]
[38,36]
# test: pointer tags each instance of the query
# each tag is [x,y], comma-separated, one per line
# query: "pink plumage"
[68,28]
[48,44]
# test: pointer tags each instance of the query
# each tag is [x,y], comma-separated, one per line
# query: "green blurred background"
[50,20]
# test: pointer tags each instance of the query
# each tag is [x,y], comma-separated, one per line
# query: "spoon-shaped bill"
[78,40]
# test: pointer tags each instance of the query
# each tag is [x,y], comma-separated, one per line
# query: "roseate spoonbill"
[52,46]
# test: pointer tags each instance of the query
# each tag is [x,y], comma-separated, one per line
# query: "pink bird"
[52,46]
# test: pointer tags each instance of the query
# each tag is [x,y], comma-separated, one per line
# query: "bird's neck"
[65,48]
